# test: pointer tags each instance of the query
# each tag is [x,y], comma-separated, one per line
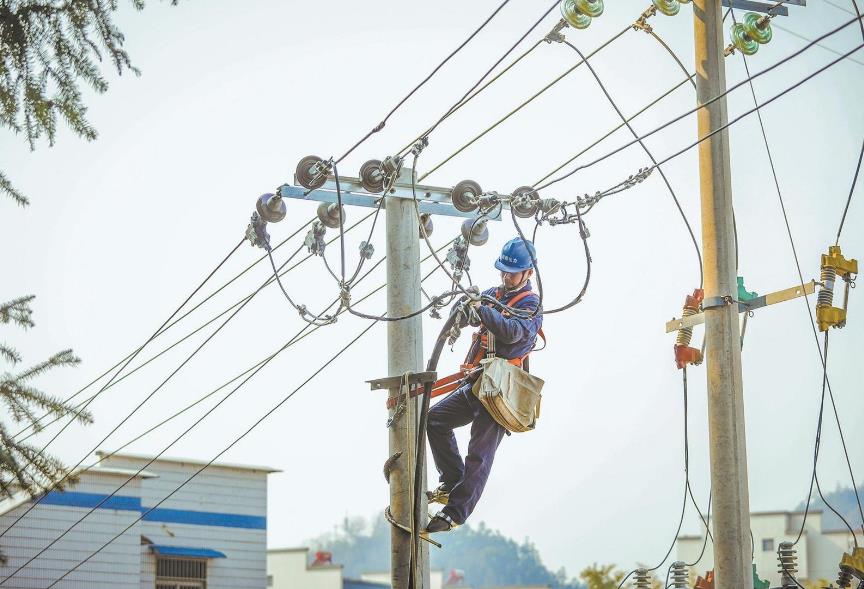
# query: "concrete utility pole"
[404,354]
[732,548]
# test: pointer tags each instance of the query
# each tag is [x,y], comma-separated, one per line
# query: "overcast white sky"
[233,94]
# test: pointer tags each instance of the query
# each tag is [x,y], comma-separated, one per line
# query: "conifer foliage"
[23,466]
[48,48]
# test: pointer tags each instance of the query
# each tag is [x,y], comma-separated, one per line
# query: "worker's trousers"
[465,479]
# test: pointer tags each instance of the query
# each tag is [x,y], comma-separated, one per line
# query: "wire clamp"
[555,35]
[256,232]
[345,295]
[641,23]
[366,250]
[314,241]
[418,147]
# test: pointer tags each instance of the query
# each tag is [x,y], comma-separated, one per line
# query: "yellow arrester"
[851,565]
[833,265]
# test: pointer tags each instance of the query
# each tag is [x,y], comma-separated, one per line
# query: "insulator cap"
[371,176]
[592,8]
[525,202]
[305,174]
[465,196]
[271,207]
[475,231]
[667,7]
[757,29]
[574,17]
[742,41]
[426,223]
[330,214]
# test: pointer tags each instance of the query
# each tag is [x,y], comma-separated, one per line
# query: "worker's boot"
[440,522]
[440,495]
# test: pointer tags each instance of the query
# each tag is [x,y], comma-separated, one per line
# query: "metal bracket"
[394,382]
[757,303]
[772,8]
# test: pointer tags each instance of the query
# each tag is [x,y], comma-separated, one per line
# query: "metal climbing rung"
[757,303]
[394,382]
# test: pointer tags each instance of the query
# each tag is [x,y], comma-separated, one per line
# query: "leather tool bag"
[510,395]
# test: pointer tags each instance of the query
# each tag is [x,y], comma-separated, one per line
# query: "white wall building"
[819,551]
[210,534]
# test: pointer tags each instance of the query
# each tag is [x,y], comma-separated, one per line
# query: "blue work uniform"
[514,338]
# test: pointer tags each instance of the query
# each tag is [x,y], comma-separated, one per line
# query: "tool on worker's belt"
[833,265]
[684,354]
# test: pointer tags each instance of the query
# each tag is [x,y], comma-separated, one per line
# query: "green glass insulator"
[742,41]
[592,8]
[667,7]
[759,34]
[574,17]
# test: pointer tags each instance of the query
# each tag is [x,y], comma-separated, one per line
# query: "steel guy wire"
[298,337]
[851,192]
[718,97]
[188,335]
[199,471]
[522,105]
[490,70]
[383,122]
[525,54]
[645,147]
[143,402]
[79,411]
[823,358]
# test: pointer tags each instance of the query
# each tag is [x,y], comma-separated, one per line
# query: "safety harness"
[448,384]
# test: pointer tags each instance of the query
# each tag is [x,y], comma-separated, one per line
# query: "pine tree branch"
[18,311]
[10,354]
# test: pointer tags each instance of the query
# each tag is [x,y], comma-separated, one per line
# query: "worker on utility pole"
[514,336]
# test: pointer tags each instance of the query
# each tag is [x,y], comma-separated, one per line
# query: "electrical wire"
[191,333]
[686,487]
[490,70]
[522,105]
[299,336]
[803,38]
[199,471]
[139,406]
[301,309]
[823,357]
[525,54]
[158,334]
[645,147]
[851,192]
[383,122]
[718,97]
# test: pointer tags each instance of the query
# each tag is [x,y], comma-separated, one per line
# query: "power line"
[803,38]
[645,147]
[143,402]
[851,192]
[522,105]
[181,317]
[380,125]
[489,71]
[718,97]
[267,414]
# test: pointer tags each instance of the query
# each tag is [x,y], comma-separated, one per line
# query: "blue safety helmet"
[516,255]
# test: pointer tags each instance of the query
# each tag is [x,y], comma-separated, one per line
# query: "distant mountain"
[844,501]
[487,558]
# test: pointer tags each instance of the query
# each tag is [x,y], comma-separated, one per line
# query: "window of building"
[181,573]
[768,545]
[269,580]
